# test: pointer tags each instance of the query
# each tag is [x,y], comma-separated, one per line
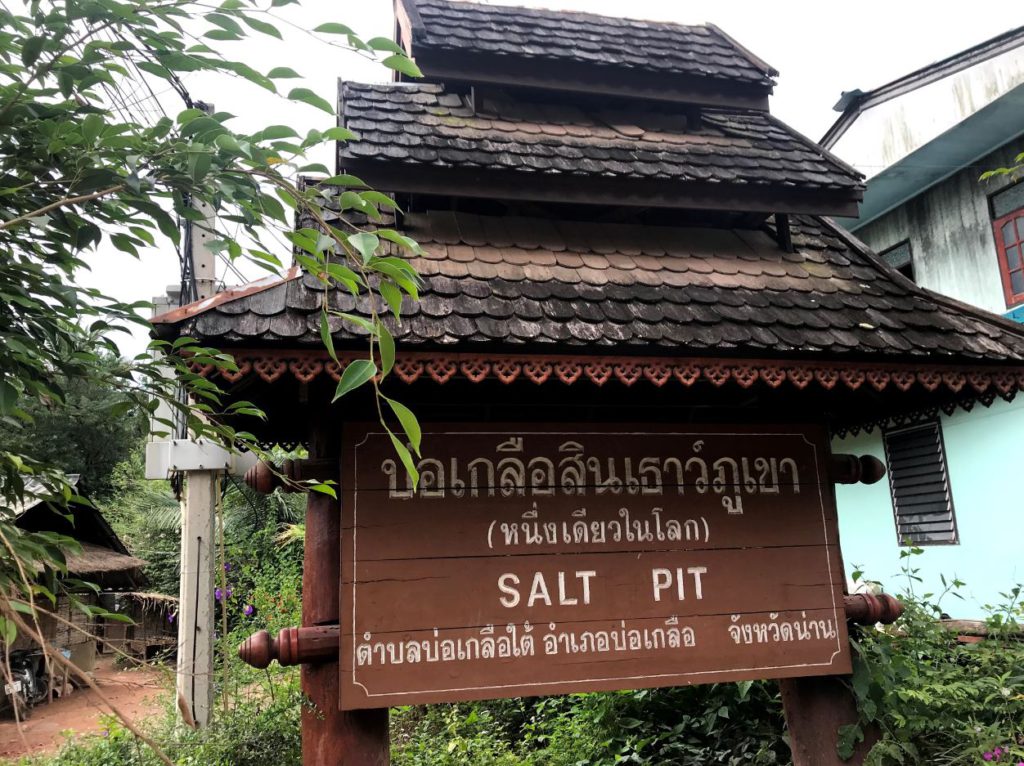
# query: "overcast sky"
[820,49]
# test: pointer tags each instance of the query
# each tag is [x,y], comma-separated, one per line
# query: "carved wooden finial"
[257,650]
[293,646]
[261,478]
[868,609]
[871,469]
[854,469]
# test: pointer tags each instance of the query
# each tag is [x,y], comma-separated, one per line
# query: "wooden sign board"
[546,560]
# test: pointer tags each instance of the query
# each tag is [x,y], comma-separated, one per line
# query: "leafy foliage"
[934,699]
[255,734]
[90,434]
[81,169]
[1013,170]
[727,724]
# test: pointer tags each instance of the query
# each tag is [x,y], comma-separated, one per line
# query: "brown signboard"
[553,559]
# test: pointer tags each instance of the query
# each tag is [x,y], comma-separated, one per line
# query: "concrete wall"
[950,232]
[885,134]
[982,453]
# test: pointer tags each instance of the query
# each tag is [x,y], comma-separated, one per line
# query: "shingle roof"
[560,36]
[542,284]
[423,124]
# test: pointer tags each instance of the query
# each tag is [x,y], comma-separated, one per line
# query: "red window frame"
[1005,250]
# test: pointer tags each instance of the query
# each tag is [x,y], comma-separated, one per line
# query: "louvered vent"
[920,486]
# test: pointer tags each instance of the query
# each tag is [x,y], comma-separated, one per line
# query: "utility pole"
[203,465]
[196,619]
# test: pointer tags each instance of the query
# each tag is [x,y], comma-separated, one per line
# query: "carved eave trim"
[441,367]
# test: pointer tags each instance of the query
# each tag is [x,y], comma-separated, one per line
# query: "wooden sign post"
[542,559]
[554,559]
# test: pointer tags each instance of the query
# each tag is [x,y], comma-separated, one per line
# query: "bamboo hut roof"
[94,559]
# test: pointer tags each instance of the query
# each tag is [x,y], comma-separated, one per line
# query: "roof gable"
[473,42]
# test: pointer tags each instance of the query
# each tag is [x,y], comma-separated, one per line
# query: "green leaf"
[228,143]
[250,74]
[306,96]
[356,374]
[286,197]
[400,239]
[225,22]
[359,321]
[402,64]
[385,44]
[274,133]
[8,397]
[343,180]
[91,127]
[410,424]
[333,28]
[282,73]
[386,344]
[340,134]
[379,199]
[8,630]
[393,296]
[346,276]
[31,50]
[314,167]
[406,458]
[325,335]
[849,735]
[223,35]
[365,244]
[324,489]
[262,26]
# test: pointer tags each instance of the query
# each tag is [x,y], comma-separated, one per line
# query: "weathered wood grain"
[542,560]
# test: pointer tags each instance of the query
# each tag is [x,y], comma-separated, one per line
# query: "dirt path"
[139,693]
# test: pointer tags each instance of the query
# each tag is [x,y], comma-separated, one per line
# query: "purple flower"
[229,593]
[171,616]
[219,594]
[248,610]
[227,566]
[987,756]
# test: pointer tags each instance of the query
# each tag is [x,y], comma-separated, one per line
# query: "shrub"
[937,700]
[254,734]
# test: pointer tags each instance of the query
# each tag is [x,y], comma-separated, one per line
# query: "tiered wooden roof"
[608,200]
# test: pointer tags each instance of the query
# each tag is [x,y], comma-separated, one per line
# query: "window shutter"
[919,484]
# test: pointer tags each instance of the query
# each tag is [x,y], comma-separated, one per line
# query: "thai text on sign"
[535,560]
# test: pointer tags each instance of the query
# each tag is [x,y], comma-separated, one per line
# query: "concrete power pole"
[203,464]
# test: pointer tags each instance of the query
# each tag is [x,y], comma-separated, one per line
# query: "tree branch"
[61,203]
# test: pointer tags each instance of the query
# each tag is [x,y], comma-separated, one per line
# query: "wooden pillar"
[815,709]
[195,601]
[329,736]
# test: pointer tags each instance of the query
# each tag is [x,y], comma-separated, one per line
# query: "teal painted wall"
[986,475]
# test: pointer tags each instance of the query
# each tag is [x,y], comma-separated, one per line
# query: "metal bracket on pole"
[166,457]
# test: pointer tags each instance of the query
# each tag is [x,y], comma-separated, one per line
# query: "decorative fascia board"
[441,367]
